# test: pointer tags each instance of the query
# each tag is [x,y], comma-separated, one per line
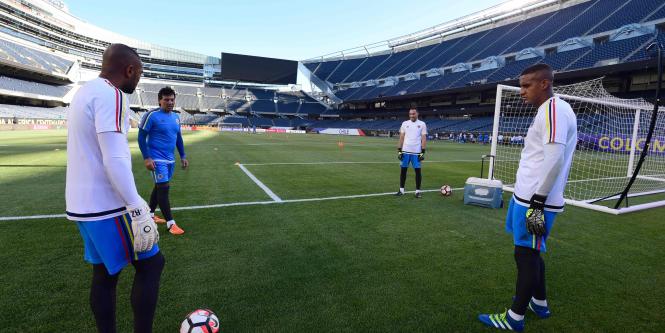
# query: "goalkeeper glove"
[400,154]
[143,227]
[535,216]
[421,156]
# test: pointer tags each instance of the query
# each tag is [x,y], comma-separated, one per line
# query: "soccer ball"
[446,190]
[200,321]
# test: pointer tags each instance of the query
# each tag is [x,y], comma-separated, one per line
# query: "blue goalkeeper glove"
[400,154]
[421,156]
[535,215]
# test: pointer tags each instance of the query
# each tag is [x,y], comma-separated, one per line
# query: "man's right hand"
[400,154]
[149,164]
[144,228]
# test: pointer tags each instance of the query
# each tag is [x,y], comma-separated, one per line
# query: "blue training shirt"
[162,131]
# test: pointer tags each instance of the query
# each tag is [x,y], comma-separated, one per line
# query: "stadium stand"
[237,120]
[507,49]
[30,112]
[30,87]
[13,53]
[134,100]
[185,117]
[612,50]
[571,35]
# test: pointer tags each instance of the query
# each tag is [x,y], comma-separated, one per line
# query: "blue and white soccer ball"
[200,321]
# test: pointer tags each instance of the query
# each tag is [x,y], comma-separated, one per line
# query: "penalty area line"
[234,204]
[263,186]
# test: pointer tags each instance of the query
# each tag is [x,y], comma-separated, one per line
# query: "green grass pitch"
[366,264]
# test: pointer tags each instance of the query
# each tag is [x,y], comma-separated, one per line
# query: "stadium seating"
[612,50]
[237,120]
[134,99]
[186,101]
[203,118]
[263,106]
[30,87]
[13,53]
[585,20]
[10,111]
[634,11]
[261,122]
[477,125]
[588,18]
[186,118]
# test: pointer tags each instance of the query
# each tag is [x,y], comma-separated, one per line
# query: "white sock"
[539,302]
[515,316]
[417,191]
[170,223]
[401,189]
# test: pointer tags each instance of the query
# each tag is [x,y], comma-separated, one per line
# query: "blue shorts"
[410,158]
[163,172]
[109,242]
[516,225]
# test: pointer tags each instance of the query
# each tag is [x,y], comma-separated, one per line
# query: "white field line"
[233,204]
[263,186]
[396,162]
[33,217]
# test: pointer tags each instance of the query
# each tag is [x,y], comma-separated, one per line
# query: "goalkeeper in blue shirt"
[159,135]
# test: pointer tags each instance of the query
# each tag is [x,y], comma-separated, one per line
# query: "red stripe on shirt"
[117,111]
[122,237]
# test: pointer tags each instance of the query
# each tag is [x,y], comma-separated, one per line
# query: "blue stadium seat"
[512,70]
[347,66]
[517,37]
[581,24]
[11,52]
[633,11]
[612,50]
[263,106]
[30,87]
[657,14]
[560,60]
[361,71]
[435,56]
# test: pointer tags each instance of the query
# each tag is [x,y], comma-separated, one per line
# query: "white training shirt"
[413,132]
[97,107]
[555,123]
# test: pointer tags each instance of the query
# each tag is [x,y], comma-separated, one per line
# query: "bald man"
[538,197]
[113,220]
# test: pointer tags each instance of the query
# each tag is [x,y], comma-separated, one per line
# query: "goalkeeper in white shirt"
[114,221]
[411,149]
[538,198]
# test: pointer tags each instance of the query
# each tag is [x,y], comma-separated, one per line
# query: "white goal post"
[606,154]
[229,126]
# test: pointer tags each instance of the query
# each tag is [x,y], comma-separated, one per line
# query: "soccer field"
[322,246]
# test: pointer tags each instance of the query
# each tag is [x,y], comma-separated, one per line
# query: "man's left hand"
[185,163]
[535,215]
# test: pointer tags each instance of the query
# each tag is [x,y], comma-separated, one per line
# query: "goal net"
[229,127]
[611,136]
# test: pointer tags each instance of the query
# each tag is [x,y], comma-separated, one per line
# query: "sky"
[290,29]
